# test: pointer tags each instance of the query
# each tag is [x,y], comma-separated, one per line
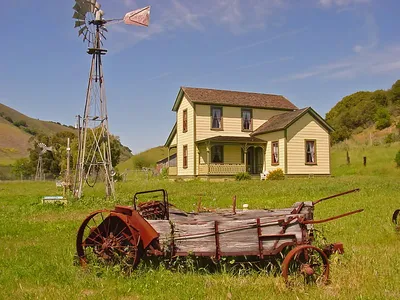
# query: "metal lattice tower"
[94,153]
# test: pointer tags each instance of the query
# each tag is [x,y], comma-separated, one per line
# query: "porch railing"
[221,169]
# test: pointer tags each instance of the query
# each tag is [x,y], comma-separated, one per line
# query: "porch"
[227,155]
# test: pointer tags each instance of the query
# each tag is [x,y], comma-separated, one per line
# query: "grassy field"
[37,242]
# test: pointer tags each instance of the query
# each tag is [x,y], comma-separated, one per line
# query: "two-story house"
[222,133]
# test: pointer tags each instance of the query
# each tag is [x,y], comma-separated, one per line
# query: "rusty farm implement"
[127,234]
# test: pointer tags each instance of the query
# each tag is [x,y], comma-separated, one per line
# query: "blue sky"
[314,52]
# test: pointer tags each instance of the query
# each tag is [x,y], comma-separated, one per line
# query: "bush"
[20,123]
[276,175]
[8,119]
[389,138]
[382,119]
[242,176]
[164,173]
[397,159]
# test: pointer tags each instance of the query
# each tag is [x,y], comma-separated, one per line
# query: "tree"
[394,92]
[382,118]
[22,167]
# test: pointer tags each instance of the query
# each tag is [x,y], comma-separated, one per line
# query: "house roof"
[283,121]
[164,160]
[236,139]
[171,136]
[233,98]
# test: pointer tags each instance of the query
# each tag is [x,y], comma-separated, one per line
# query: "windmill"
[39,168]
[94,153]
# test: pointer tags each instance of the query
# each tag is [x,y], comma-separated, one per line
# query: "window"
[216,117]
[275,153]
[311,152]
[184,125]
[246,119]
[185,156]
[217,154]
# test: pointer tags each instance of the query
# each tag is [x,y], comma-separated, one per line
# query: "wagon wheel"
[395,217]
[104,237]
[308,262]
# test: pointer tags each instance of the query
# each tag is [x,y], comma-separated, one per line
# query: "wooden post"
[208,158]
[234,205]
[365,161]
[347,157]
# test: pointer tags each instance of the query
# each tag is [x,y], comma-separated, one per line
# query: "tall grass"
[37,242]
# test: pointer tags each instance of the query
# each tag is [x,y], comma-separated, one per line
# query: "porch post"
[168,156]
[208,157]
[245,157]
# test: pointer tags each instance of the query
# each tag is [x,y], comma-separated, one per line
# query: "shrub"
[8,119]
[397,159]
[20,123]
[389,138]
[164,173]
[242,176]
[382,119]
[276,175]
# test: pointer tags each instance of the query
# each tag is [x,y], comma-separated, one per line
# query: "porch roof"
[235,139]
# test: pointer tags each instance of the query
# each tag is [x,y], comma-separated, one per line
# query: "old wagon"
[127,234]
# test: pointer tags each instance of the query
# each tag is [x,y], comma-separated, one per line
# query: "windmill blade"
[82,30]
[79,23]
[139,17]
[103,35]
[78,16]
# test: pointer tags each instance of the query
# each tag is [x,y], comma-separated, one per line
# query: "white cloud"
[372,32]
[341,3]
[381,61]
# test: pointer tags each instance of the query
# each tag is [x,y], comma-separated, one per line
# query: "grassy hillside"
[146,158]
[17,131]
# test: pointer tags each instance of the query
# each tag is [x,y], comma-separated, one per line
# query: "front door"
[255,160]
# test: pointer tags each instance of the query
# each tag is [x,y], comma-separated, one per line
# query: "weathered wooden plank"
[185,242]
[238,241]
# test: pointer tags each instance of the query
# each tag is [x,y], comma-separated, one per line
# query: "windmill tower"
[39,167]
[94,153]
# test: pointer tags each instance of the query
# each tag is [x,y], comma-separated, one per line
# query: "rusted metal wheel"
[395,217]
[306,262]
[104,237]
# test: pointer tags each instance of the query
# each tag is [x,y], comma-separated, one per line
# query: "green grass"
[37,242]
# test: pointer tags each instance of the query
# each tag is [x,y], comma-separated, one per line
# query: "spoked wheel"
[395,217]
[307,263]
[105,238]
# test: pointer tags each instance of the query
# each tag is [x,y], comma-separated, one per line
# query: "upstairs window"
[247,119]
[275,153]
[216,117]
[217,154]
[185,156]
[311,152]
[184,120]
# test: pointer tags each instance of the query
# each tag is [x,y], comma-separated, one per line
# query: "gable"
[285,120]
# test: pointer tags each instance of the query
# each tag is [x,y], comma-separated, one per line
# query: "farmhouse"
[222,133]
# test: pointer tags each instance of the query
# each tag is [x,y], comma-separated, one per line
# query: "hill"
[361,110]
[17,132]
[146,158]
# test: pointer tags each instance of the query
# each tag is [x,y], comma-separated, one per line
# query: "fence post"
[365,161]
[347,157]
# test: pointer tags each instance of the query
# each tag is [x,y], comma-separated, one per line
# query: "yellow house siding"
[185,138]
[272,137]
[231,121]
[232,154]
[307,128]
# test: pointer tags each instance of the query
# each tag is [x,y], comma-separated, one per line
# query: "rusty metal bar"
[260,244]
[234,205]
[337,195]
[217,246]
[330,219]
